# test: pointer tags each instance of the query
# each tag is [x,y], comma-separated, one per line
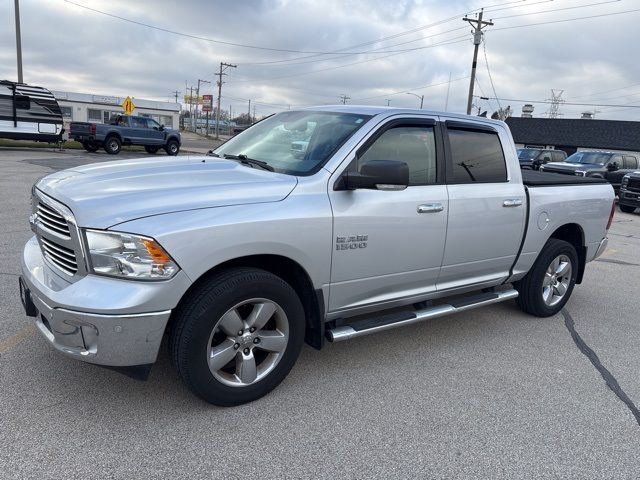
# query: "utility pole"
[388,102]
[175,93]
[446,102]
[191,106]
[198,99]
[18,40]
[254,111]
[478,24]
[223,67]
[249,113]
[344,98]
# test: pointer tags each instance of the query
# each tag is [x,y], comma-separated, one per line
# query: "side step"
[400,319]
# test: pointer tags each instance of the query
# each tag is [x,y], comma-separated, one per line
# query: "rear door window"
[630,162]
[558,156]
[476,157]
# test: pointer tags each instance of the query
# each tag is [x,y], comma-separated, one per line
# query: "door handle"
[430,208]
[512,202]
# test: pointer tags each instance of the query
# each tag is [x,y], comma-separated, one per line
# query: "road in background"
[491,393]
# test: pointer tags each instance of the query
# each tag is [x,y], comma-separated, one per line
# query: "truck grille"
[62,257]
[634,184]
[563,171]
[52,220]
[58,236]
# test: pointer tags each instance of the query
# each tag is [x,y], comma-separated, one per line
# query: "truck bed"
[534,178]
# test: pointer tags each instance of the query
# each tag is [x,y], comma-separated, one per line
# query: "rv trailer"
[29,113]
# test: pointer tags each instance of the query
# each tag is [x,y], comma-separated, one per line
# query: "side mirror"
[613,166]
[161,127]
[379,175]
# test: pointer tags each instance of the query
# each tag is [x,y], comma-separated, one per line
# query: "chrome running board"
[400,319]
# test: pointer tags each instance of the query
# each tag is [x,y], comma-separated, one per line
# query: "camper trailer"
[29,113]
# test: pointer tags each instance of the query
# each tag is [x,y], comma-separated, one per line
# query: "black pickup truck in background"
[611,166]
[126,130]
[629,195]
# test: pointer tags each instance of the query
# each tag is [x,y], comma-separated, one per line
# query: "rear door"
[389,244]
[615,177]
[487,205]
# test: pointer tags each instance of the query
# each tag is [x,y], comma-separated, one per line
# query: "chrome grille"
[52,220]
[634,184]
[62,257]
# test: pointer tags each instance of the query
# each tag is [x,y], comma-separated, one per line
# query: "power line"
[557,9]
[486,61]
[565,20]
[548,102]
[422,87]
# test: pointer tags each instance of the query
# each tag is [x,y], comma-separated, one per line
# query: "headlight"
[625,180]
[128,256]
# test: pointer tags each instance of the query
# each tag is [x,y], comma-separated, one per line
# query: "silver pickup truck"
[384,218]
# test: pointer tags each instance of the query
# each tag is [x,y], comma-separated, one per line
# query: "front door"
[388,245]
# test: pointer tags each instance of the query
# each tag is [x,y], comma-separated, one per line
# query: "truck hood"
[102,195]
[566,166]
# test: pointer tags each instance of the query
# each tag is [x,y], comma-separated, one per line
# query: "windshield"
[527,153]
[296,143]
[589,157]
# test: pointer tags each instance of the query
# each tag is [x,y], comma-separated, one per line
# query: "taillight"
[613,209]
[92,128]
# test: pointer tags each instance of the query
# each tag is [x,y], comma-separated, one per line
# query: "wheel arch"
[574,234]
[291,272]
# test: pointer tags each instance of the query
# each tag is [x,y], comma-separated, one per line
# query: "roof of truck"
[377,110]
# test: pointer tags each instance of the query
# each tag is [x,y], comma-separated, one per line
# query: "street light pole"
[18,40]
[421,97]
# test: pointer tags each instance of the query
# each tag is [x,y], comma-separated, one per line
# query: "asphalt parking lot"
[492,393]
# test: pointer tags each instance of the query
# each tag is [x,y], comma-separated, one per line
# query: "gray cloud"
[68,48]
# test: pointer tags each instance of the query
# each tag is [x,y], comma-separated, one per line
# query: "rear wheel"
[90,146]
[172,147]
[549,284]
[627,208]
[151,149]
[237,337]
[112,145]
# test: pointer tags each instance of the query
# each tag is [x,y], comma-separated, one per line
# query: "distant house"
[573,134]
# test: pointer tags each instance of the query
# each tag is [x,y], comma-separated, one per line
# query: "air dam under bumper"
[122,338]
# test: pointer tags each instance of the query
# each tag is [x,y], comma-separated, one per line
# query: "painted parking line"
[608,252]
[10,343]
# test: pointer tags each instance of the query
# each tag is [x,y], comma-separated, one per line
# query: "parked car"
[28,112]
[126,130]
[629,195]
[241,255]
[532,158]
[608,165]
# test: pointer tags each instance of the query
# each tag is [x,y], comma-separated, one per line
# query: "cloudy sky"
[292,53]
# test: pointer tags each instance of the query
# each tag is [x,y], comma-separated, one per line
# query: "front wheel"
[237,337]
[548,285]
[172,147]
[627,208]
[112,145]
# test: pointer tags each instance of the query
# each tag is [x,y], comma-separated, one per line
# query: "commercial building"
[86,107]
[574,134]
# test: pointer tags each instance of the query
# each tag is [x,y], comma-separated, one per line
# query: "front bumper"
[97,319]
[629,198]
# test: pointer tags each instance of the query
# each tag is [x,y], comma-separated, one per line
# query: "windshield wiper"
[211,153]
[249,161]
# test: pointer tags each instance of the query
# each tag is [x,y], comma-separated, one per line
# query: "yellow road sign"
[128,106]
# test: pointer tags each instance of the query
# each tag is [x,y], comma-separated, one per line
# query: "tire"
[172,147]
[90,146]
[112,145]
[151,150]
[209,322]
[627,208]
[542,300]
